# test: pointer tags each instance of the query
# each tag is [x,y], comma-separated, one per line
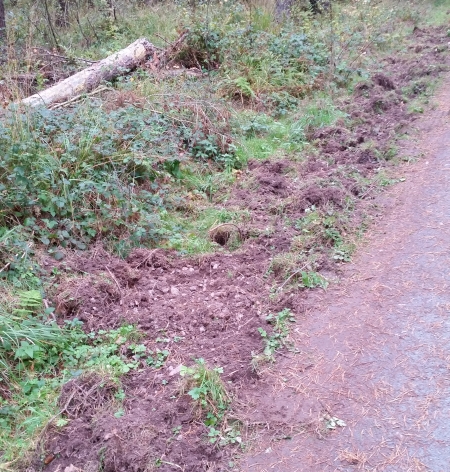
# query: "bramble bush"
[70,177]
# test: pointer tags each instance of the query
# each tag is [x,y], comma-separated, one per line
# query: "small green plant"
[207,389]
[154,359]
[229,435]
[157,358]
[342,255]
[275,340]
[312,279]
[102,349]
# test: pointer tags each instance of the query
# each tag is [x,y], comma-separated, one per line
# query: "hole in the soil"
[221,237]
[226,233]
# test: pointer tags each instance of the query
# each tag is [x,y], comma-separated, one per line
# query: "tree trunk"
[283,9]
[112,10]
[62,14]
[88,79]
[314,6]
[2,21]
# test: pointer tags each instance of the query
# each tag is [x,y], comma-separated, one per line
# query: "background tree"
[2,21]
[62,14]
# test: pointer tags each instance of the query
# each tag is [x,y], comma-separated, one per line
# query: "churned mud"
[368,387]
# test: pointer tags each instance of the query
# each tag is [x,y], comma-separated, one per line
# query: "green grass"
[266,137]
[37,357]
[319,112]
[31,406]
[190,231]
[205,386]
[438,14]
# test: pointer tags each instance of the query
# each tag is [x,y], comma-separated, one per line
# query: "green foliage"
[189,231]
[225,436]
[30,302]
[37,357]
[158,171]
[27,340]
[157,358]
[273,69]
[207,388]
[101,349]
[277,338]
[318,113]
[318,230]
[74,176]
[312,279]
[208,391]
[16,263]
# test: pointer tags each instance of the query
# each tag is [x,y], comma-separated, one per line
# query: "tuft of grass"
[319,112]
[207,390]
[266,137]
[205,386]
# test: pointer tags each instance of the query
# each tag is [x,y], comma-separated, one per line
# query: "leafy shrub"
[16,262]
[73,176]
[30,337]
[276,69]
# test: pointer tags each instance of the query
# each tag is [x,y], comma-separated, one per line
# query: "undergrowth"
[37,357]
[151,162]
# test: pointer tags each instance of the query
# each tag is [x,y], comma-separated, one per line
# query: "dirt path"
[375,350]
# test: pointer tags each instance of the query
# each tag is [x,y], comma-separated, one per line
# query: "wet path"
[376,349]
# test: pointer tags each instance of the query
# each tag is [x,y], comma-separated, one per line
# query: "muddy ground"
[375,393]
[211,306]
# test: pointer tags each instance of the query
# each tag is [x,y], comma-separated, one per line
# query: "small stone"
[174,291]
[176,370]
[202,329]
[72,468]
[193,288]
[163,288]
[215,266]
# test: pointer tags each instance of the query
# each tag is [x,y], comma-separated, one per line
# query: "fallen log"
[90,78]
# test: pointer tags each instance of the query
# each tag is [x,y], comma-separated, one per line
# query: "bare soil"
[374,349]
[211,307]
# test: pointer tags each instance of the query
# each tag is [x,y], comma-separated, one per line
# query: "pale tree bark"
[88,79]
